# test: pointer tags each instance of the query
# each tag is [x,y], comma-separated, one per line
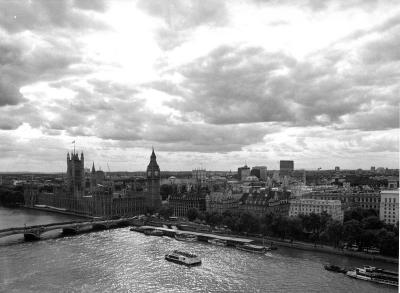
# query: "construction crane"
[109,171]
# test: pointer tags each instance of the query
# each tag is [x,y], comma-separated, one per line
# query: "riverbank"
[323,248]
[309,247]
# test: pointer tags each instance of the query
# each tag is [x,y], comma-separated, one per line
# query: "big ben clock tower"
[153,198]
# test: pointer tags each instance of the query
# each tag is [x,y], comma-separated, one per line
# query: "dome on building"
[251,179]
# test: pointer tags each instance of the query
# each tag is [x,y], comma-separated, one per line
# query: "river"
[124,261]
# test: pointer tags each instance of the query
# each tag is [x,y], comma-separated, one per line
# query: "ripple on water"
[124,261]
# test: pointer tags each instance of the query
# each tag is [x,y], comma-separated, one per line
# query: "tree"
[367,238]
[315,222]
[372,222]
[165,212]
[192,214]
[324,219]
[388,242]
[279,226]
[334,232]
[266,223]
[214,219]
[351,231]
[294,228]
[249,223]
[353,214]
[166,190]
[306,222]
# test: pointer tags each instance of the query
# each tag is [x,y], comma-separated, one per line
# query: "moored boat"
[153,232]
[376,275]
[185,237]
[252,248]
[156,233]
[334,268]
[183,258]
[136,229]
[217,241]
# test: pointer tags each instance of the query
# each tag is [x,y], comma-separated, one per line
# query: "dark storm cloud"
[17,16]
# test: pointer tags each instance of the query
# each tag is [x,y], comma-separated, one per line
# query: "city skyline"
[207,83]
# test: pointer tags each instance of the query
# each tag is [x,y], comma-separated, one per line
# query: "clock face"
[156,173]
[149,173]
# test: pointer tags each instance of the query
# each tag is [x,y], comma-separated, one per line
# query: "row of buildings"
[286,196]
[92,194]
[255,190]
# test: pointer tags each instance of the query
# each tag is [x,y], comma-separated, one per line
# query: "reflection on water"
[18,217]
[123,261]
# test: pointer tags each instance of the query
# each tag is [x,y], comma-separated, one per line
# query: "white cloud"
[208,82]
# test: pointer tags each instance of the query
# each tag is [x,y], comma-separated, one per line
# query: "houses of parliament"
[95,194]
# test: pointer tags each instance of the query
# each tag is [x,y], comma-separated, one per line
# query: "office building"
[389,208]
[260,172]
[286,167]
[243,172]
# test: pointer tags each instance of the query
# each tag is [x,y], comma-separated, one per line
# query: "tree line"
[11,196]
[361,228]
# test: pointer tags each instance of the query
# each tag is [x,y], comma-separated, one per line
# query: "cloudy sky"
[207,83]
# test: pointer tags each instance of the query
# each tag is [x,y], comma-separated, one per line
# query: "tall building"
[389,209]
[243,172]
[153,197]
[75,174]
[286,167]
[103,200]
[199,175]
[96,177]
[260,172]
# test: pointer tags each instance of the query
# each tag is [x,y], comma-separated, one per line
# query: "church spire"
[93,169]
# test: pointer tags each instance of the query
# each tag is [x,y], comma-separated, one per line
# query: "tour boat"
[185,237]
[376,275]
[253,248]
[183,258]
[216,241]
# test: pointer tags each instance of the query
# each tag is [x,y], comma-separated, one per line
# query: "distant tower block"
[286,167]
[75,174]
[153,197]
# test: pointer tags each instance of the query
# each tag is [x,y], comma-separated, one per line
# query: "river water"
[124,261]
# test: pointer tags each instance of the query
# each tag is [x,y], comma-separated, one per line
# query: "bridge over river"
[68,228]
